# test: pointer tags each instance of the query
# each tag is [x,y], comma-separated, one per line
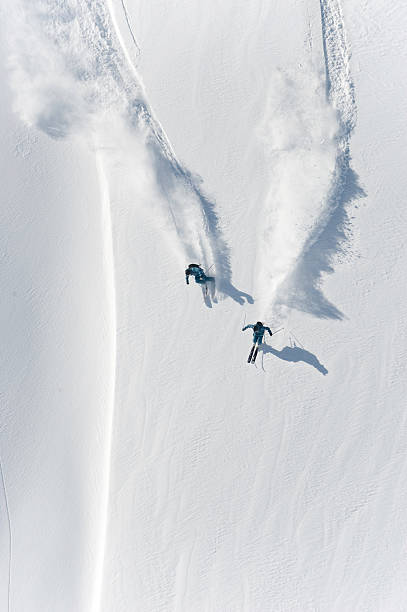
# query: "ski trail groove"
[339,84]
[212,234]
[10,535]
[91,76]
[194,215]
[331,230]
[126,14]
[308,126]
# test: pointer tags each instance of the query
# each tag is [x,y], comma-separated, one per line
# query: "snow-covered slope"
[145,464]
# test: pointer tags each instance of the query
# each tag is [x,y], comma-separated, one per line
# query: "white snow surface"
[144,464]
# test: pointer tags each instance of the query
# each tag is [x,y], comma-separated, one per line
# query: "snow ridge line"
[106,219]
[10,534]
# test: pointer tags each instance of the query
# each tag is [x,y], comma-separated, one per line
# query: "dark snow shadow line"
[295,354]
[303,291]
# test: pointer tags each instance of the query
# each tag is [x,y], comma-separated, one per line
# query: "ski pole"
[296,339]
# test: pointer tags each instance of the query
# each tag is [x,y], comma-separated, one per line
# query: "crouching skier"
[200,276]
[258,333]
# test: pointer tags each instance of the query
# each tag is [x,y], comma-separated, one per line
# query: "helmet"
[259,323]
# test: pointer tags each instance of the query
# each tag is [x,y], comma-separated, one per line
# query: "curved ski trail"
[307,129]
[91,86]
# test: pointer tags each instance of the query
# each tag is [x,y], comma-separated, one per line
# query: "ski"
[255,354]
[251,354]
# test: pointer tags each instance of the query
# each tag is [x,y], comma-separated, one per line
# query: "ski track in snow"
[308,128]
[71,74]
[133,37]
[110,280]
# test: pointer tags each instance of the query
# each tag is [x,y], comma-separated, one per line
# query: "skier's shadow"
[295,353]
[225,286]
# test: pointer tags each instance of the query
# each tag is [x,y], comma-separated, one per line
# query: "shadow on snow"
[170,174]
[295,354]
[303,291]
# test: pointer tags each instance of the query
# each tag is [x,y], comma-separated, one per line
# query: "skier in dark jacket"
[196,271]
[258,333]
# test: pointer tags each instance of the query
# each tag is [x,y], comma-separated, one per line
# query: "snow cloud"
[299,130]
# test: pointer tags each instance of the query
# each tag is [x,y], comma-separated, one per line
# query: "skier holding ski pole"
[258,333]
[196,271]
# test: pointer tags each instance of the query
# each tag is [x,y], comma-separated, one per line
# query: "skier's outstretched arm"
[269,331]
[187,273]
[247,327]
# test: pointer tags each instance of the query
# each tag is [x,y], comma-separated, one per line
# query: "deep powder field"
[144,464]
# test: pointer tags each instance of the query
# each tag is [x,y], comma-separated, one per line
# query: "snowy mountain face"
[145,465]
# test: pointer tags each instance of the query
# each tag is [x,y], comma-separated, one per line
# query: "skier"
[196,271]
[258,333]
